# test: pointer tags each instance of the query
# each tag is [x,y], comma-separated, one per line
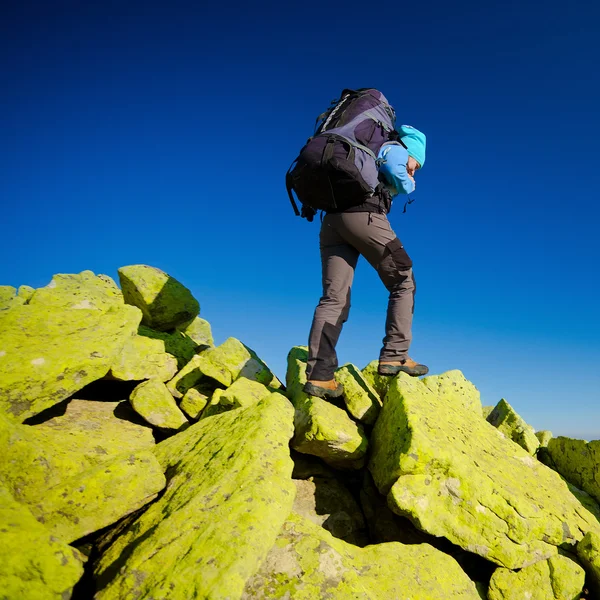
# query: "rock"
[243,392]
[79,291]
[194,402]
[322,429]
[198,330]
[588,552]
[543,437]
[362,401]
[25,292]
[328,503]
[486,411]
[513,426]
[558,578]
[153,402]
[176,343]
[225,363]
[100,496]
[144,358]
[33,563]
[307,562]
[164,302]
[578,462]
[380,383]
[228,494]
[9,298]
[70,349]
[456,476]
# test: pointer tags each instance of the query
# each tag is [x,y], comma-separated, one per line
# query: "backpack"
[336,169]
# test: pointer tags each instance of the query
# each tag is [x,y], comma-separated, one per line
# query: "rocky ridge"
[141,460]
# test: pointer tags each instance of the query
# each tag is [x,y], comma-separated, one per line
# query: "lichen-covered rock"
[543,437]
[380,383]
[198,330]
[486,410]
[152,401]
[79,291]
[25,292]
[176,343]
[228,494]
[588,552]
[558,578]
[307,562]
[165,302]
[243,392]
[100,496]
[362,401]
[9,298]
[47,354]
[224,364]
[144,358]
[194,402]
[322,429]
[33,563]
[328,503]
[456,476]
[505,418]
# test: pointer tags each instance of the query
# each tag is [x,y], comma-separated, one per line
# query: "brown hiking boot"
[323,389]
[408,365]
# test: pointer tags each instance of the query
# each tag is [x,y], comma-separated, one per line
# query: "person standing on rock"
[359,227]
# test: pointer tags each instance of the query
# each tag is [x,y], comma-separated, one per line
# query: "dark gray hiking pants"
[344,237]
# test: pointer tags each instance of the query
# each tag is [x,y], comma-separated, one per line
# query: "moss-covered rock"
[153,402]
[34,565]
[100,496]
[199,331]
[47,354]
[164,302]
[322,429]
[506,419]
[588,553]
[578,462]
[176,343]
[307,562]
[362,401]
[144,358]
[456,476]
[79,291]
[228,494]
[243,392]
[558,578]
[380,383]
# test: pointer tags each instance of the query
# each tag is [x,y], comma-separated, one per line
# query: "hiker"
[362,228]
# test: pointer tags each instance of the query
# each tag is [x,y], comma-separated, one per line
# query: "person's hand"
[413,180]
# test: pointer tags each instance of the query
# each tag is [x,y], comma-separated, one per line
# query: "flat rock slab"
[229,492]
[165,302]
[307,563]
[577,461]
[322,429]
[454,475]
[558,578]
[100,496]
[47,354]
[505,418]
[153,402]
[33,563]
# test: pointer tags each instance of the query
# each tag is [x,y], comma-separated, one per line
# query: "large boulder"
[34,564]
[198,330]
[506,419]
[229,492]
[362,401]
[47,354]
[153,402]
[558,578]
[322,429]
[588,553]
[164,302]
[79,291]
[100,496]
[307,562]
[577,461]
[454,475]
[243,392]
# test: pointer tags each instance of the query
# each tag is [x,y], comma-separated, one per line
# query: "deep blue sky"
[160,133]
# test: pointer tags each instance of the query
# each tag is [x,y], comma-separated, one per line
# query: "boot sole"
[390,371]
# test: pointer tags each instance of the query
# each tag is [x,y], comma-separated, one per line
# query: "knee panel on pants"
[395,266]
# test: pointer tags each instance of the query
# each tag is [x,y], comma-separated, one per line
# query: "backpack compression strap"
[290,186]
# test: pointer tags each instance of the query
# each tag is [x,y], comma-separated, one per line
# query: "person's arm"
[392,161]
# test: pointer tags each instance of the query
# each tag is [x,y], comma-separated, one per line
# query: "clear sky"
[160,133]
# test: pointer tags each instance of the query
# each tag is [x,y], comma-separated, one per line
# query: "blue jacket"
[391,161]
